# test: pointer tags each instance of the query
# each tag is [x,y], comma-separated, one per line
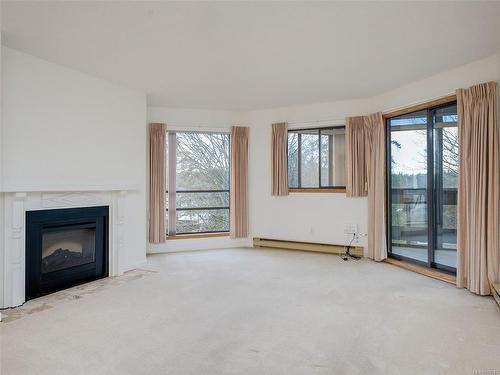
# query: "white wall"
[312,216]
[440,84]
[61,127]
[64,130]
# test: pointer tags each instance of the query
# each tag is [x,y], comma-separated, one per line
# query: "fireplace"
[64,248]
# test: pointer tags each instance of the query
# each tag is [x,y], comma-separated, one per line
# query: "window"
[198,182]
[316,158]
[422,165]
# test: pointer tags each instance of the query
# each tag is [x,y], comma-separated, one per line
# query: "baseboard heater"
[306,246]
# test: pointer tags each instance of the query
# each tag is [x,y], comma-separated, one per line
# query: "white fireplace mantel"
[12,276]
[66,188]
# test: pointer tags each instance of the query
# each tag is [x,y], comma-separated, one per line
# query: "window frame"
[171,173]
[319,189]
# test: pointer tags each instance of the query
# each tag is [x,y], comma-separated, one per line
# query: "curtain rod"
[195,126]
[198,127]
[192,129]
[333,121]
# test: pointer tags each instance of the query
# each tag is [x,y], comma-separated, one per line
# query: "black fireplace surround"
[65,247]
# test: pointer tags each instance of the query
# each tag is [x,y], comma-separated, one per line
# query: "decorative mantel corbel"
[14,275]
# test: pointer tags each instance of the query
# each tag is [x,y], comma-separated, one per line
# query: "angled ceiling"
[251,55]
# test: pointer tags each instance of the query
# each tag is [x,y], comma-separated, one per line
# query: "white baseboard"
[195,244]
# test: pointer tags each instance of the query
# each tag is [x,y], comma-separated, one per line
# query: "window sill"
[196,235]
[430,272]
[317,190]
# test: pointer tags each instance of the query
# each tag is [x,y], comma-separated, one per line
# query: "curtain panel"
[239,182]
[279,159]
[366,176]
[157,182]
[376,181]
[478,259]
[356,155]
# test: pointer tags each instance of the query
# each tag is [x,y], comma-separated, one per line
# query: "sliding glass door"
[422,169]
[445,185]
[409,176]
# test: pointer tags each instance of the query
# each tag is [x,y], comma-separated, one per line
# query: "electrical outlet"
[350,228]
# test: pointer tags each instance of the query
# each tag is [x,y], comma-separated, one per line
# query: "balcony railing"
[409,217]
[199,218]
[404,195]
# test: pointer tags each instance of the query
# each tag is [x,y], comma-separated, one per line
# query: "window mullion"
[299,160]
[330,160]
[319,158]
[430,189]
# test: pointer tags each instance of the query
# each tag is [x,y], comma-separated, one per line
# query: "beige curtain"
[375,177]
[157,171]
[365,159]
[279,159]
[478,189]
[356,184]
[239,182]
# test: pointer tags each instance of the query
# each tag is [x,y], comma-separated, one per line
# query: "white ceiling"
[248,55]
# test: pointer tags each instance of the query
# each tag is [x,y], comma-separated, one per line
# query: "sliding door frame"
[431,181]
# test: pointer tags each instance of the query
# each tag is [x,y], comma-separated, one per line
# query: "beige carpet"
[247,311]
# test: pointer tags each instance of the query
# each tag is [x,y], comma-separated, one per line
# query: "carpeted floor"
[249,311]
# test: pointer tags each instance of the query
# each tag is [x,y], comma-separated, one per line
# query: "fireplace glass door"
[66,248]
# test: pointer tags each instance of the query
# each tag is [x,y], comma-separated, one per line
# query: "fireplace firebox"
[64,248]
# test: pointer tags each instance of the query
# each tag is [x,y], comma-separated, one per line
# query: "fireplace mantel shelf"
[66,188]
